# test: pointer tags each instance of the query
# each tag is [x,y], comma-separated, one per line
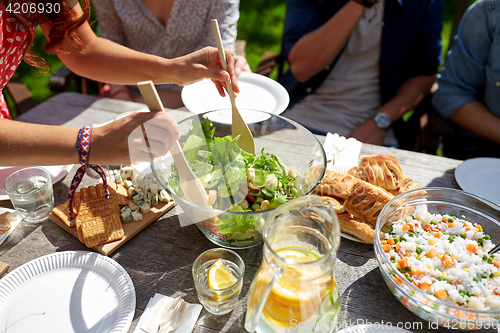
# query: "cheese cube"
[164,196]
[133,206]
[131,192]
[154,199]
[138,198]
[126,217]
[126,172]
[136,216]
[125,209]
[145,208]
[128,183]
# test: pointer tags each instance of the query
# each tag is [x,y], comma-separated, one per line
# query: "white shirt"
[351,92]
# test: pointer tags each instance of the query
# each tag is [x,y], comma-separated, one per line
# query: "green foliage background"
[261,25]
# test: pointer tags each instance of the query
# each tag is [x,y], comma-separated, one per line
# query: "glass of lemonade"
[218,278]
[31,194]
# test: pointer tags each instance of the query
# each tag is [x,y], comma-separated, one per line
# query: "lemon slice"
[298,256]
[219,277]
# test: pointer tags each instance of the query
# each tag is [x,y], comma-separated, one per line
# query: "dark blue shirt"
[472,69]
[410,46]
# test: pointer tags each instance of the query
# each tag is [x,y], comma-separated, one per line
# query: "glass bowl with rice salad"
[432,251]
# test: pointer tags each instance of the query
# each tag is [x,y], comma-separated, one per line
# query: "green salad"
[236,181]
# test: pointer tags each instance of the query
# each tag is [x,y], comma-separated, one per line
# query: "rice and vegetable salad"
[447,257]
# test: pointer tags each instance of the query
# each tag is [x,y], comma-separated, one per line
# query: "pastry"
[407,185]
[356,227]
[366,201]
[334,203]
[336,185]
[379,170]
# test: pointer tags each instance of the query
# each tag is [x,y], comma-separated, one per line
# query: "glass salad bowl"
[242,188]
[425,299]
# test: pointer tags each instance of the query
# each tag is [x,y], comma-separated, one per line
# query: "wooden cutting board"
[130,229]
[3,268]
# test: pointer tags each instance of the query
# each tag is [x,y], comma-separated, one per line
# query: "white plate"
[354,239]
[480,176]
[65,292]
[376,328]
[257,92]
[57,173]
[249,116]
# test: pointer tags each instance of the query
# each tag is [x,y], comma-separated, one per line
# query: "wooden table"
[159,258]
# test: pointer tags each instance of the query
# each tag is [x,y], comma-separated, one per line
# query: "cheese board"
[130,229]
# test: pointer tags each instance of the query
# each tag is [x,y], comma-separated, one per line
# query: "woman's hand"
[125,140]
[205,63]
[241,65]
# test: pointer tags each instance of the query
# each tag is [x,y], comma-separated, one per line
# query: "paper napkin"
[14,219]
[341,153]
[192,312]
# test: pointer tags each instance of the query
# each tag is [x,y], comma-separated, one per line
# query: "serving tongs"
[239,127]
[191,185]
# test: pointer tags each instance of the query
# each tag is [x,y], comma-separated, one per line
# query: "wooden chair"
[20,95]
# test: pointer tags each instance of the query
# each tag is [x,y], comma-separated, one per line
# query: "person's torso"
[12,39]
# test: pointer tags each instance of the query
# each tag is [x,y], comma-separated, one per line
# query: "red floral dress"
[12,36]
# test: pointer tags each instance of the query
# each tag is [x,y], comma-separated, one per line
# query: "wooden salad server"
[191,185]
[239,127]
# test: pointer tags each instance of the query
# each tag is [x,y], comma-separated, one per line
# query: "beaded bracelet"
[83,147]
[366,3]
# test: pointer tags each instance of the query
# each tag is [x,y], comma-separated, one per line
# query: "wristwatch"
[366,3]
[382,120]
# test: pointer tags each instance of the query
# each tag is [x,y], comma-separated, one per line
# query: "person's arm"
[317,49]
[408,97]
[109,62]
[115,143]
[227,14]
[464,74]
[475,117]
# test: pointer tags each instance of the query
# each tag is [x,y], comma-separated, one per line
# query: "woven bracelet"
[83,147]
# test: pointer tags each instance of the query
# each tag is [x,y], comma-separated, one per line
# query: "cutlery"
[172,315]
[495,249]
[239,127]
[191,186]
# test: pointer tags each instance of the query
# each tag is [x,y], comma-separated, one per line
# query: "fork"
[172,315]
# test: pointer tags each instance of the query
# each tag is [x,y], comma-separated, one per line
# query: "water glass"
[218,301]
[30,191]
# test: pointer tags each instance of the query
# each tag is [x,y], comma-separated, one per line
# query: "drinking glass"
[218,301]
[30,191]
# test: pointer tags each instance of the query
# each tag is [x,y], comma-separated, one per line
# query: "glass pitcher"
[294,289]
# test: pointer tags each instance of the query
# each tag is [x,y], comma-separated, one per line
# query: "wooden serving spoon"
[239,127]
[191,185]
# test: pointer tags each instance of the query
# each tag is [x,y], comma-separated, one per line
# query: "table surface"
[159,258]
